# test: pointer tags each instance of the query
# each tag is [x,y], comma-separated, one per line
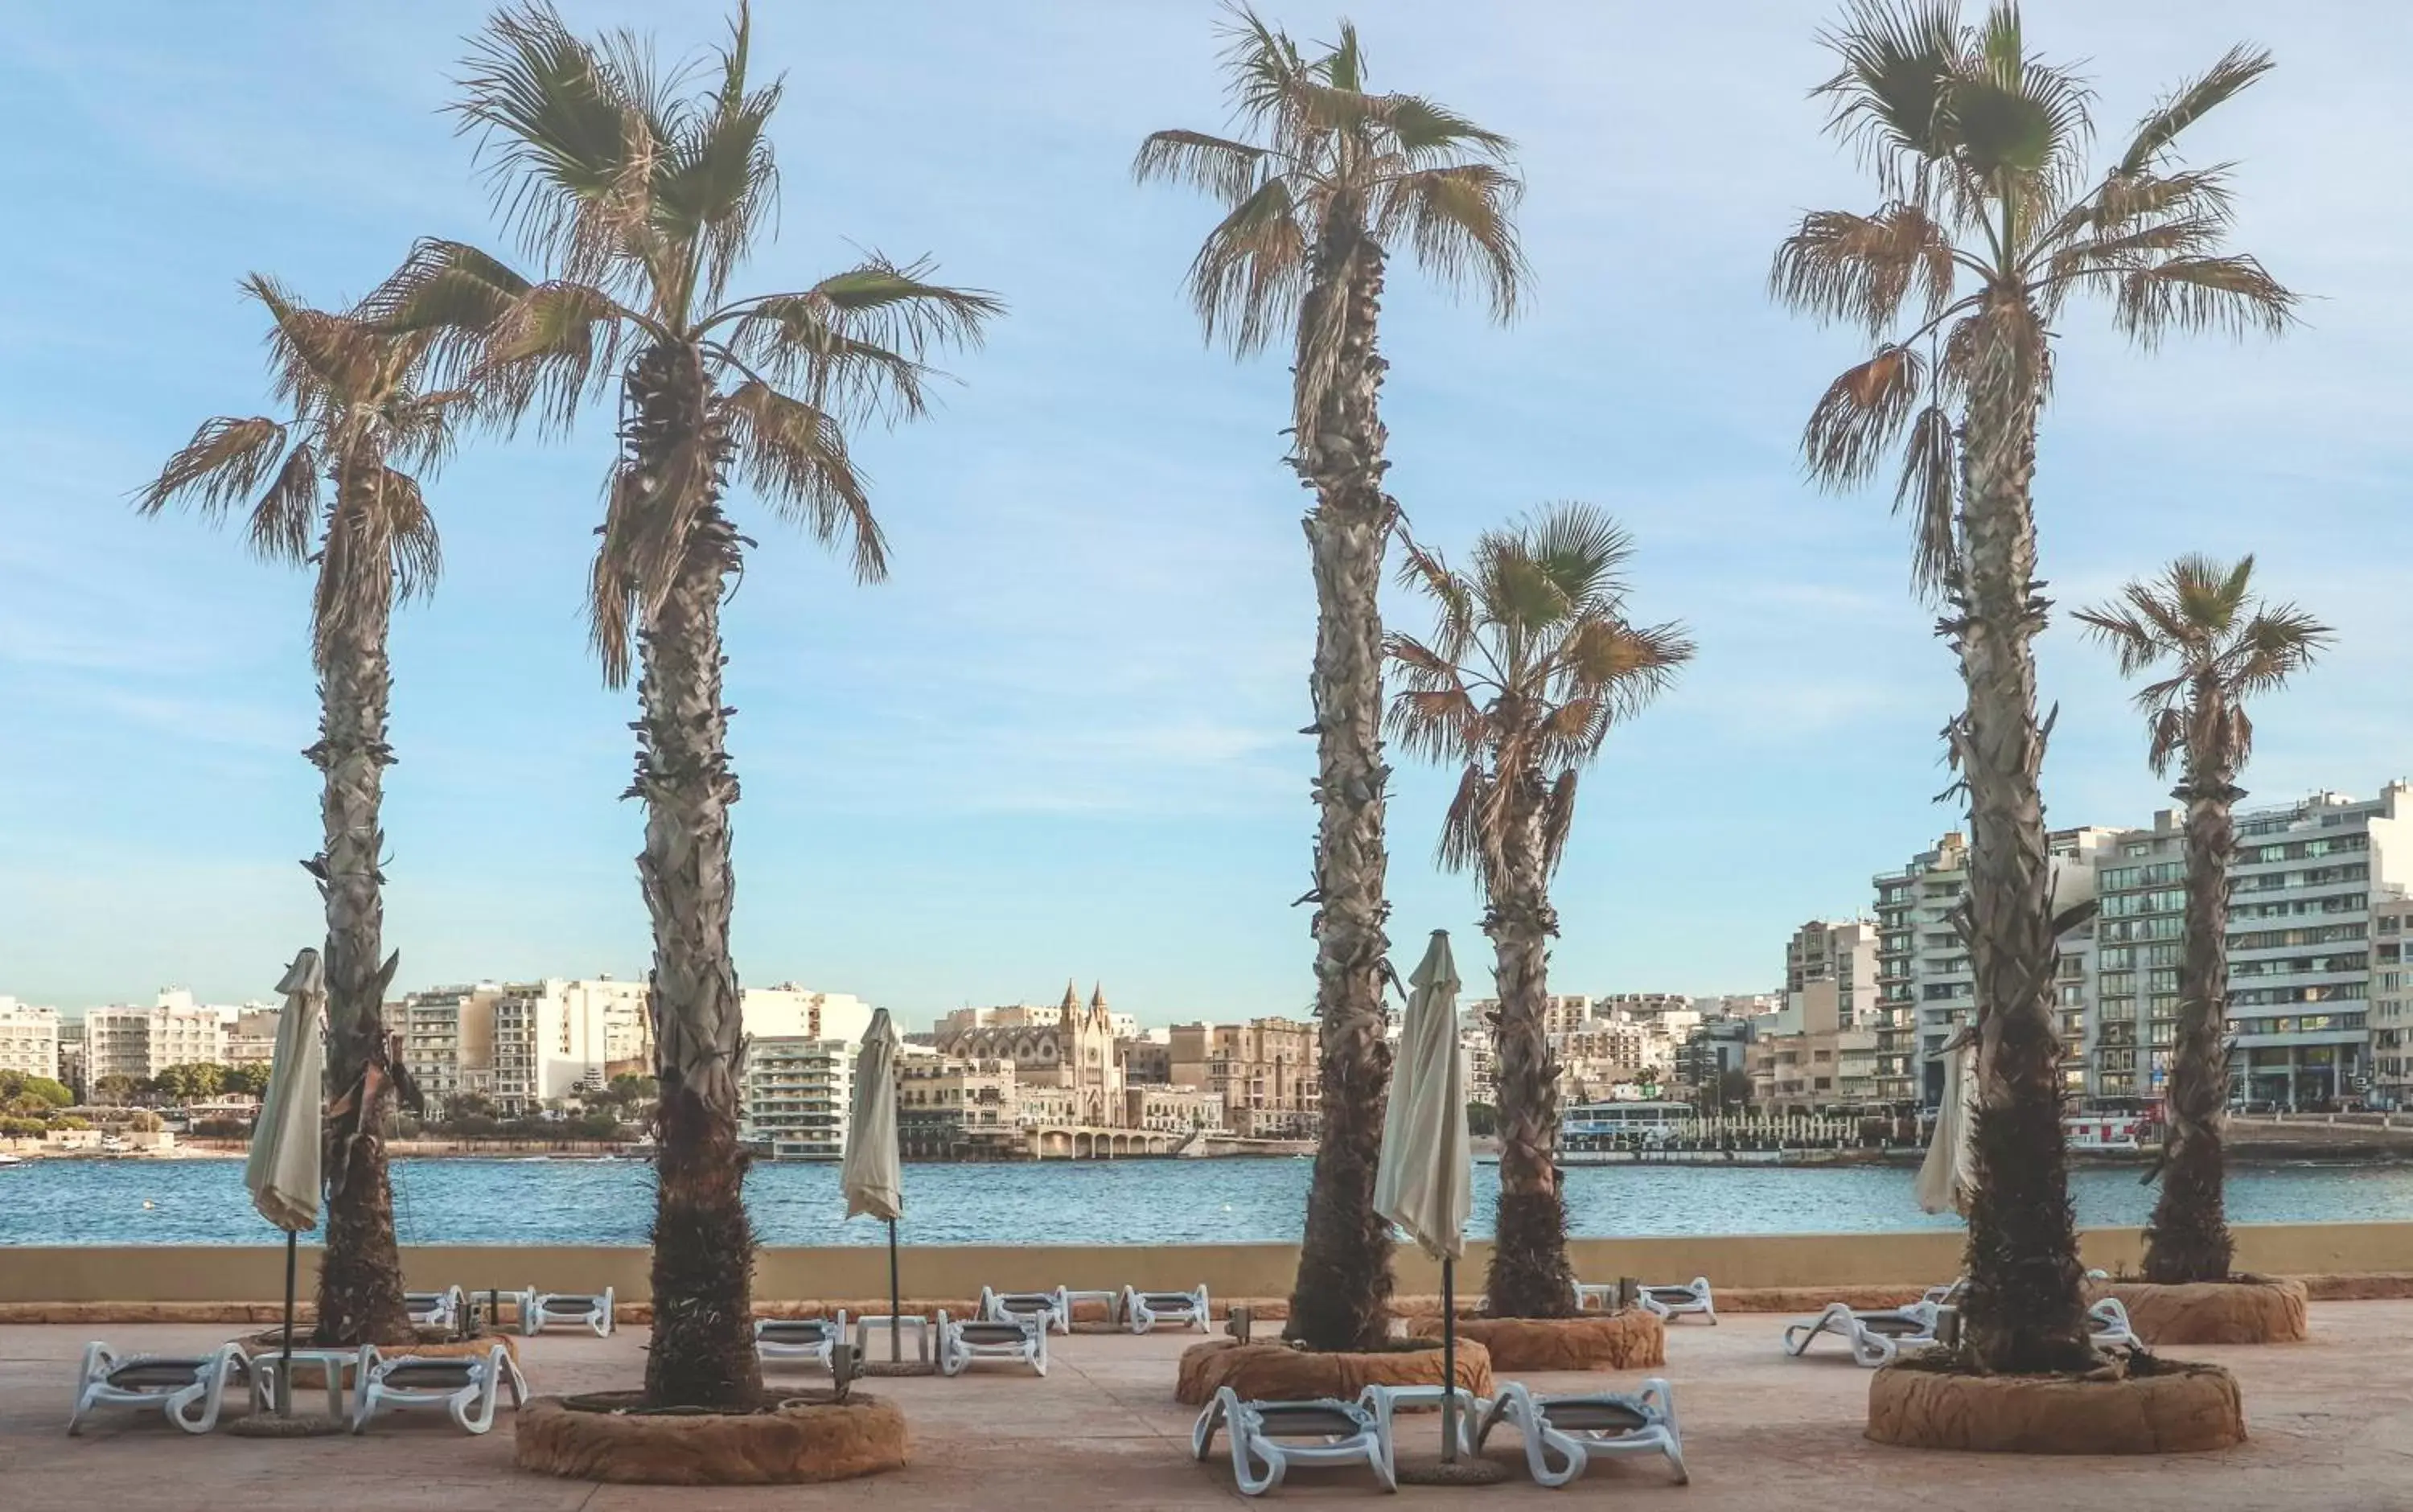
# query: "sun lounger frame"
[191,1405]
[1261,1457]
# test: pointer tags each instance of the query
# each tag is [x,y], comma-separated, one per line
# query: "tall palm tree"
[646,200]
[2224,647]
[1532,662]
[1333,176]
[332,486]
[1989,225]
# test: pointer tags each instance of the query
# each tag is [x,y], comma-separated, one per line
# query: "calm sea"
[1133,1201]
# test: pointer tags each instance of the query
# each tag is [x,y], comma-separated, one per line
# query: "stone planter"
[1278,1372]
[431,1345]
[1629,1341]
[2178,1409]
[799,1443]
[2248,1309]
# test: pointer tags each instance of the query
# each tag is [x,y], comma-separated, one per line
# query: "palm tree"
[1989,225]
[333,487]
[1532,662]
[645,201]
[1336,174]
[2224,647]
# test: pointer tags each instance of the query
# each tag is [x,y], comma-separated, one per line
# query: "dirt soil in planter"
[1629,1341]
[2242,1310]
[798,1441]
[1278,1372]
[2151,1407]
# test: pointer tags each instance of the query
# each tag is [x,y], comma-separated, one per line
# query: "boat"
[7,1159]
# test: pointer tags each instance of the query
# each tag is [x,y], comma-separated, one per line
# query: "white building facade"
[798,1093]
[124,1041]
[29,1039]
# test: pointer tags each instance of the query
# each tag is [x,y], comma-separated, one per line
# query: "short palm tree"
[1332,177]
[2222,647]
[1989,225]
[333,487]
[1532,661]
[645,201]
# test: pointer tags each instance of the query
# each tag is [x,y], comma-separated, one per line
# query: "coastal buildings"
[1263,1071]
[1075,1051]
[2392,1000]
[950,1109]
[141,1043]
[520,1045]
[798,1093]
[251,1035]
[29,1039]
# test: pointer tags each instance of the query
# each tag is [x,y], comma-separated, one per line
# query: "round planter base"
[2246,1310]
[799,1442]
[1432,1470]
[1629,1341]
[1277,1373]
[2179,1409]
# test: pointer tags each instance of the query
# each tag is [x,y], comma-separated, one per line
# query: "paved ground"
[2332,1423]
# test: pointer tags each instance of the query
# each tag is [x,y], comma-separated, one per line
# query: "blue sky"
[1060,740]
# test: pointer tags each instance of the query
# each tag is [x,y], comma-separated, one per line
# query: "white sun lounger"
[464,1385]
[189,1388]
[1267,1438]
[962,1341]
[1145,1309]
[436,1310]
[1875,1337]
[540,1311]
[1673,1302]
[786,1339]
[1563,1433]
[1053,1309]
[2109,1319]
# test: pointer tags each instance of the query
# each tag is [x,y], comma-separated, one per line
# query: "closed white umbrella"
[1948,1175]
[1424,1180]
[282,1170]
[872,1175]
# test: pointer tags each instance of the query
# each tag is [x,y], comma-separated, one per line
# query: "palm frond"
[553,349]
[2234,294]
[1422,131]
[1462,842]
[2156,133]
[1251,271]
[226,460]
[1558,818]
[285,519]
[795,456]
[1889,100]
[1459,223]
[1927,492]
[1860,415]
[1228,171]
[1860,269]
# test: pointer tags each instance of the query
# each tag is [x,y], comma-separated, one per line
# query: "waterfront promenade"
[2331,1424]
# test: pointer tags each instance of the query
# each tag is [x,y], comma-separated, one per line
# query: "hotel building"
[29,1039]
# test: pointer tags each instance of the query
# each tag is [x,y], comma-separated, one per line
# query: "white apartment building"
[959,1021]
[2306,888]
[523,1044]
[790,1012]
[1831,973]
[124,1041]
[29,1039]
[798,1092]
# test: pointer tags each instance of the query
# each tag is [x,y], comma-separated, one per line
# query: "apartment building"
[2308,888]
[2392,1000]
[1173,1109]
[949,1109]
[1926,988]
[1835,962]
[1263,1070]
[251,1034]
[790,1011]
[798,1094]
[29,1039]
[962,1021]
[127,1041]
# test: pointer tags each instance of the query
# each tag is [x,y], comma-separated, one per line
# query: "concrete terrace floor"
[2331,1422]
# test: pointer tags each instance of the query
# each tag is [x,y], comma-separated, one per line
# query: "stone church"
[1076,1052]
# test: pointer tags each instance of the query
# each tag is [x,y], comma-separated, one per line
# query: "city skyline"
[1066,730]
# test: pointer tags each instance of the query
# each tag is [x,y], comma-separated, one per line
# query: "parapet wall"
[243,1274]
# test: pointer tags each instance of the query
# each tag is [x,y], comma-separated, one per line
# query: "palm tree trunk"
[2025,1310]
[359,1275]
[1341,1296]
[2188,1238]
[1530,1276]
[703,1348]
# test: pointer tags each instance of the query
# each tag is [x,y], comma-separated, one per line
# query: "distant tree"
[21,1092]
[1482,1119]
[249,1079]
[116,1090]
[1733,1091]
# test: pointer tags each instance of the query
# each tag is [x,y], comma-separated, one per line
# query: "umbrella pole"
[894,1323]
[1448,1360]
[284,1370]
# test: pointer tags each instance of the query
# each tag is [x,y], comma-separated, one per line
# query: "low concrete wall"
[220,1273]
